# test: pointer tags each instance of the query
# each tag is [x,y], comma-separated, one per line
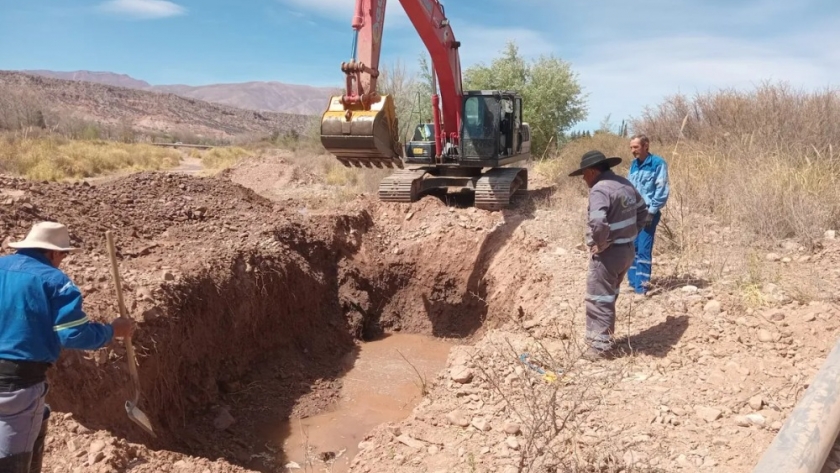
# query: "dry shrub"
[55,158]
[308,142]
[560,405]
[353,178]
[771,194]
[773,117]
[21,109]
[763,161]
[221,158]
[557,168]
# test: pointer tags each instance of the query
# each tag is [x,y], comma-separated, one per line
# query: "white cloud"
[624,77]
[343,10]
[143,9]
[630,56]
[482,44]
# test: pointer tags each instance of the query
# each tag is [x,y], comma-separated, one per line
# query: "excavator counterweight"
[362,138]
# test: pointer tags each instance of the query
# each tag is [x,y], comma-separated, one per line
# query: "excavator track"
[496,187]
[402,186]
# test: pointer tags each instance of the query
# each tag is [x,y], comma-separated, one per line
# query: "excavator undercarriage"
[493,189]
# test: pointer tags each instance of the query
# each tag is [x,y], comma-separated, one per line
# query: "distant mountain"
[57,100]
[267,96]
[261,96]
[107,78]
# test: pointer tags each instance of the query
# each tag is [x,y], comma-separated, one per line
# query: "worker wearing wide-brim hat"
[40,313]
[616,213]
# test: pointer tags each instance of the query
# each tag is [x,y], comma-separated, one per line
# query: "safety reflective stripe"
[66,287]
[621,241]
[594,298]
[75,323]
[641,261]
[623,224]
[597,214]
[643,274]
[641,203]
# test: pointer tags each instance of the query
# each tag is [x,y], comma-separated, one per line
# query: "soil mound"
[247,307]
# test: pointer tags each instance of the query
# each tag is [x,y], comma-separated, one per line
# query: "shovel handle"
[129,347]
[115,272]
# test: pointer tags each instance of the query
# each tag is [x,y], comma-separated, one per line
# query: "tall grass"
[56,158]
[567,158]
[220,158]
[764,161]
[770,118]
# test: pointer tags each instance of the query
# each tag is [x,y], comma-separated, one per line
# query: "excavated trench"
[266,353]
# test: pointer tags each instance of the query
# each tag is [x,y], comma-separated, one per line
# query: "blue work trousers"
[640,271]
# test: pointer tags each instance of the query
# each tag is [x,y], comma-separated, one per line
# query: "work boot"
[616,351]
[17,463]
[593,354]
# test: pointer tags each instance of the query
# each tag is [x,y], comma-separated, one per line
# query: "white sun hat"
[47,236]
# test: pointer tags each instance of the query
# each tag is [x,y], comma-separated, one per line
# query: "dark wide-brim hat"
[594,158]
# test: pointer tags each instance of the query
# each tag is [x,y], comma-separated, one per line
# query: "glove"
[648,219]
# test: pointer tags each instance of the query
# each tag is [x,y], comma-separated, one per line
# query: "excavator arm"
[360,127]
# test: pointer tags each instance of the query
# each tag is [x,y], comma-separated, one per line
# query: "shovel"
[134,413]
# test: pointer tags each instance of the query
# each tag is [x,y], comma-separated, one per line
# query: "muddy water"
[379,387]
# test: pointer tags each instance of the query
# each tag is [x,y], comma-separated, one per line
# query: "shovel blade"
[139,417]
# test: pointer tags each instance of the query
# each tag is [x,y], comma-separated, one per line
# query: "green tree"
[553,100]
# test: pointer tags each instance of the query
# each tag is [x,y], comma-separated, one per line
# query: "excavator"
[473,137]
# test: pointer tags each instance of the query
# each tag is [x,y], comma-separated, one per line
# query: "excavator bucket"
[359,137]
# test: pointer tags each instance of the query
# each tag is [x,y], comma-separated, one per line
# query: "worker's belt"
[16,375]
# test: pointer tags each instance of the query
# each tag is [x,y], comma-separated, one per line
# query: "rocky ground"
[719,354]
[709,382]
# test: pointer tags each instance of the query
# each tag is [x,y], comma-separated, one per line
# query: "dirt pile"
[208,266]
[281,177]
[247,307]
[138,208]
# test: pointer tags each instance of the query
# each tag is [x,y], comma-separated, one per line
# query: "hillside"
[143,110]
[269,96]
[106,78]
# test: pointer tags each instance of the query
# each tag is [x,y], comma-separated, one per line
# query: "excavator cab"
[492,131]
[359,137]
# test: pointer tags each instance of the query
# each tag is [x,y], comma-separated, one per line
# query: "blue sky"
[627,54]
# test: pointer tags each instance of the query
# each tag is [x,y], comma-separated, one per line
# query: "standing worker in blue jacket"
[649,174]
[40,313]
[616,213]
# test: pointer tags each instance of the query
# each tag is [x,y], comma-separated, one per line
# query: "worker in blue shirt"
[649,174]
[40,313]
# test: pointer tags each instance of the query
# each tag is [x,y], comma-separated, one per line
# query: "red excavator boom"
[373,113]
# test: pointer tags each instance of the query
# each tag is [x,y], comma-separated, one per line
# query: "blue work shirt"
[41,311]
[650,178]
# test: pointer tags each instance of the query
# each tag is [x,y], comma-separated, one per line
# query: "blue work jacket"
[650,178]
[41,311]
